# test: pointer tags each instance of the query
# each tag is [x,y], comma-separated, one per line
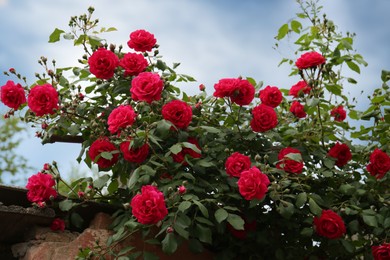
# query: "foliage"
[205,204]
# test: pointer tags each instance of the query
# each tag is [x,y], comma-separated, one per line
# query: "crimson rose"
[309,60]
[381,252]
[329,225]
[147,86]
[133,63]
[341,152]
[57,224]
[180,156]
[253,184]
[271,96]
[379,164]
[103,63]
[338,113]
[120,118]
[264,118]
[288,164]
[178,113]
[43,99]
[299,88]
[103,153]
[242,234]
[237,163]
[40,188]
[141,40]
[298,109]
[134,155]
[240,91]
[12,95]
[149,206]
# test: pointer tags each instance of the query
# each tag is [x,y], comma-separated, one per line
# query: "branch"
[76,139]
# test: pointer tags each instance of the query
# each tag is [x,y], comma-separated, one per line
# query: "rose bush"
[284,168]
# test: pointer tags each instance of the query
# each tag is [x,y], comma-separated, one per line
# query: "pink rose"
[43,99]
[12,95]
[300,88]
[341,152]
[147,86]
[309,60]
[57,225]
[178,113]
[338,113]
[149,206]
[298,109]
[134,155]
[264,118]
[240,91]
[329,225]
[133,63]
[287,164]
[103,63]
[40,188]
[379,164]
[141,40]
[271,96]
[179,157]
[253,184]
[237,163]
[381,252]
[120,118]
[100,146]
[181,189]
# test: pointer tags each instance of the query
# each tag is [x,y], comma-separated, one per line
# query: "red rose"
[149,206]
[134,155]
[178,113]
[329,225]
[57,224]
[309,60]
[300,88]
[264,118]
[381,252]
[298,109]
[100,146]
[290,160]
[147,86]
[240,91]
[342,153]
[179,157]
[120,118]
[103,63]
[12,95]
[40,188]
[271,96]
[141,40]
[181,189]
[242,234]
[133,63]
[379,164]
[338,113]
[237,163]
[253,184]
[43,99]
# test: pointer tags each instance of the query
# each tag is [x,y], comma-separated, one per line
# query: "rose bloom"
[264,118]
[298,109]
[120,118]
[240,91]
[141,40]
[329,225]
[300,88]
[103,63]
[338,113]
[309,60]
[271,96]
[242,234]
[134,155]
[287,164]
[43,99]
[149,206]
[381,252]
[253,184]
[12,95]
[147,86]
[379,164]
[40,188]
[237,163]
[99,146]
[341,152]
[178,113]
[57,225]
[133,64]
[180,156]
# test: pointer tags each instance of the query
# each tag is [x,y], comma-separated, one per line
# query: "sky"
[211,39]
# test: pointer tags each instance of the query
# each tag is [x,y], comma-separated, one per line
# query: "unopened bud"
[181,189]
[202,87]
[170,230]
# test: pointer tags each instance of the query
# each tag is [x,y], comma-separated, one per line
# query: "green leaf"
[195,246]
[184,205]
[202,208]
[329,163]
[307,232]
[296,26]
[133,179]
[150,256]
[204,234]
[55,35]
[94,41]
[76,220]
[176,148]
[312,102]
[236,221]
[348,246]
[286,209]
[101,181]
[66,205]
[301,199]
[211,129]
[181,231]
[370,220]
[220,215]
[169,243]
[283,30]
[314,208]
[334,89]
[111,29]
[353,66]
[385,75]
[106,155]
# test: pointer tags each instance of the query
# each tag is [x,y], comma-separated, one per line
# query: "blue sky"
[211,40]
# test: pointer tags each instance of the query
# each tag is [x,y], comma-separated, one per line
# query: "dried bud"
[112,47]
[257,158]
